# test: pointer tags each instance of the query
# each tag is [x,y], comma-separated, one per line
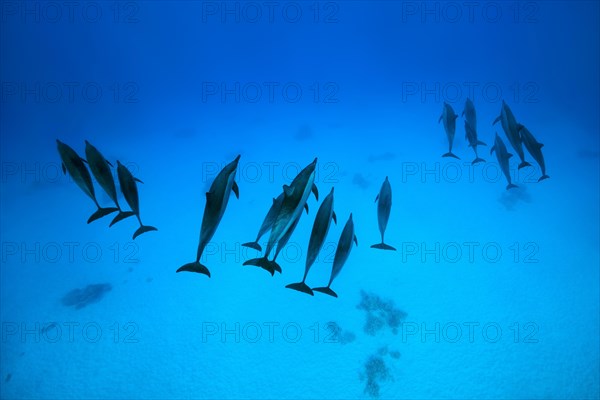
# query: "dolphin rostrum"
[217,198]
[449,118]
[129,189]
[341,255]
[294,201]
[471,129]
[503,156]
[384,206]
[317,239]
[267,223]
[534,148]
[509,125]
[75,165]
[100,168]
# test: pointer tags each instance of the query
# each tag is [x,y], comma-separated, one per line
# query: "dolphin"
[449,118]
[75,165]
[384,206]
[341,255]
[503,156]
[534,148]
[471,129]
[217,198]
[129,189]
[317,239]
[294,200]
[100,168]
[509,125]
[267,223]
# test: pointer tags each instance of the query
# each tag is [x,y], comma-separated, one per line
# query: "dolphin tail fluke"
[195,267]
[301,287]
[543,177]
[383,246]
[326,290]
[477,160]
[143,229]
[524,164]
[264,263]
[253,245]
[101,212]
[450,154]
[511,186]
[121,216]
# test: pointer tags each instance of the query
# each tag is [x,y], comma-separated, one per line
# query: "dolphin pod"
[217,198]
[320,228]
[384,206]
[516,133]
[294,200]
[341,256]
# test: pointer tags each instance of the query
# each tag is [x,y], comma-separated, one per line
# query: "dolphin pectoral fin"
[510,186]
[236,189]
[477,160]
[306,208]
[451,154]
[377,198]
[101,212]
[325,290]
[383,246]
[540,145]
[480,143]
[288,190]
[108,162]
[334,217]
[497,119]
[315,191]
[195,267]
[524,164]
[355,240]
[508,155]
[301,287]
[84,160]
[440,119]
[138,180]
[121,216]
[253,245]
[143,229]
[543,177]
[64,168]
[492,149]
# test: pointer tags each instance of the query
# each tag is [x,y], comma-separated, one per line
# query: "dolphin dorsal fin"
[288,190]
[377,198]
[306,208]
[235,189]
[315,191]
[64,168]
[355,240]
[138,180]
[334,217]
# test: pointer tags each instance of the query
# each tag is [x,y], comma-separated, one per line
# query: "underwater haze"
[134,113]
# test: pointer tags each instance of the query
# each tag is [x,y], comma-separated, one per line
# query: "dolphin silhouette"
[74,164]
[534,148]
[341,255]
[317,238]
[100,168]
[449,118]
[217,198]
[128,185]
[384,206]
[503,156]
[509,125]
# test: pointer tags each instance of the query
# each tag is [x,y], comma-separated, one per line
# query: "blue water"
[491,293]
